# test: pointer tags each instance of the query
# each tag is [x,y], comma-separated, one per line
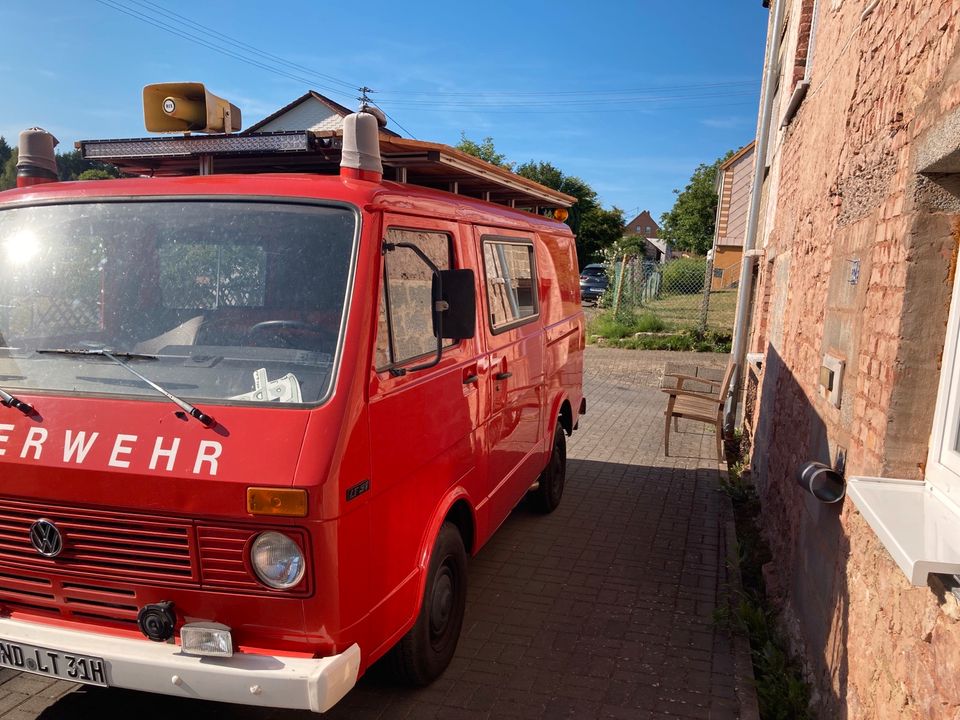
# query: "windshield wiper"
[192,411]
[10,401]
[98,351]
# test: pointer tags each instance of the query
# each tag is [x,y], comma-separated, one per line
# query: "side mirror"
[455,304]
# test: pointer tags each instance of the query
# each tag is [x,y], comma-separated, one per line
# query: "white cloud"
[724,123]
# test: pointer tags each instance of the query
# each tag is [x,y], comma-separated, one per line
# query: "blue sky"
[629,96]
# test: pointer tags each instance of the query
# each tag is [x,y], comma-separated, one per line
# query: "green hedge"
[684,276]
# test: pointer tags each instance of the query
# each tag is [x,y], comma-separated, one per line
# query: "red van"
[252,426]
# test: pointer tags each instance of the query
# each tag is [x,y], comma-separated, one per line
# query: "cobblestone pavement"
[603,609]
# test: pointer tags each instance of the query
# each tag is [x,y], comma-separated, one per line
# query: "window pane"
[226,294]
[409,287]
[511,283]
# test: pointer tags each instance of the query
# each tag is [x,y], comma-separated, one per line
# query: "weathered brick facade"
[858,253]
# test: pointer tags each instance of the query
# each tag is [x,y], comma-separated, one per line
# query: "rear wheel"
[549,490]
[423,654]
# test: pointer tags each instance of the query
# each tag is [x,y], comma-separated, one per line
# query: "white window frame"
[943,461]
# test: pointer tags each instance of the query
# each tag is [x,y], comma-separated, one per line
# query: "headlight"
[277,560]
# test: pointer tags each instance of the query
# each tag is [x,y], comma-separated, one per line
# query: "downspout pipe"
[741,325]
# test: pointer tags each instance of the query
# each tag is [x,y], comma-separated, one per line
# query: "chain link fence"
[679,292]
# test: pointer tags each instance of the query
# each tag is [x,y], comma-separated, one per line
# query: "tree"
[599,229]
[484,150]
[95,174]
[5,151]
[595,228]
[71,165]
[8,172]
[632,245]
[691,221]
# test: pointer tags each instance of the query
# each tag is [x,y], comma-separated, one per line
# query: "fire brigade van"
[253,424]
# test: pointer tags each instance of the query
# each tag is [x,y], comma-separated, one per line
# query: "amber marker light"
[276,501]
[561,214]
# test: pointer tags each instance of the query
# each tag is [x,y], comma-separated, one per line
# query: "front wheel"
[549,490]
[424,652]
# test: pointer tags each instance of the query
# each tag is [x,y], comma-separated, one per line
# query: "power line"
[189,36]
[587,110]
[161,25]
[156,7]
[391,118]
[486,102]
[574,102]
[554,93]
[478,98]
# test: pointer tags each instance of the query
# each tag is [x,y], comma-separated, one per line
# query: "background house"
[734,180]
[311,111]
[860,226]
[643,225]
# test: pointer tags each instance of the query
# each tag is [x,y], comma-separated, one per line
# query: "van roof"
[384,196]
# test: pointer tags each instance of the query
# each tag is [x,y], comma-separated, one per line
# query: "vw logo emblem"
[46,538]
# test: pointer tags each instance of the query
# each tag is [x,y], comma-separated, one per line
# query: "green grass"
[624,324]
[625,329]
[679,311]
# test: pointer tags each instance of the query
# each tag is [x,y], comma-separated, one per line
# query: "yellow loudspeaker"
[184,107]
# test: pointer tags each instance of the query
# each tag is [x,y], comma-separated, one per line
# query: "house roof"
[642,214]
[737,155]
[338,110]
[660,245]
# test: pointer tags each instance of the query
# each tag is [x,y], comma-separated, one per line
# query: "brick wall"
[858,250]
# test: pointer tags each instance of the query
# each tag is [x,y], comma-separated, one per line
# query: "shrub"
[684,276]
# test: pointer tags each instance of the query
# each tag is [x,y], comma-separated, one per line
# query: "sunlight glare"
[21,247]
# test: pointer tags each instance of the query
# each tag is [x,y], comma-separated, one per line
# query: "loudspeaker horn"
[187,107]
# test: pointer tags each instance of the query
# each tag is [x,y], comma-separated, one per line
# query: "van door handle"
[470,375]
[503,375]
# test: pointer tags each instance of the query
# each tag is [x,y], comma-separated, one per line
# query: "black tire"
[426,650]
[546,497]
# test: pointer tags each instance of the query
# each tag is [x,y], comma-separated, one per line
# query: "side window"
[405,318]
[511,281]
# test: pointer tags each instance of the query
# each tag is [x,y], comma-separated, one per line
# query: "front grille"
[101,543]
[108,556]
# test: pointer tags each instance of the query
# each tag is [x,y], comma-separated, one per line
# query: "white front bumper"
[265,680]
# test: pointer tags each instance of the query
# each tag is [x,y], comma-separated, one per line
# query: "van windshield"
[214,300]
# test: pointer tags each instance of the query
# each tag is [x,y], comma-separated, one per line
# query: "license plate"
[53,663]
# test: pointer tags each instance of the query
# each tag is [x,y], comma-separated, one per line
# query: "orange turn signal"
[276,501]
[561,214]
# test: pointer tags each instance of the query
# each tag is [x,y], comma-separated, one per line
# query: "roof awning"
[407,161]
